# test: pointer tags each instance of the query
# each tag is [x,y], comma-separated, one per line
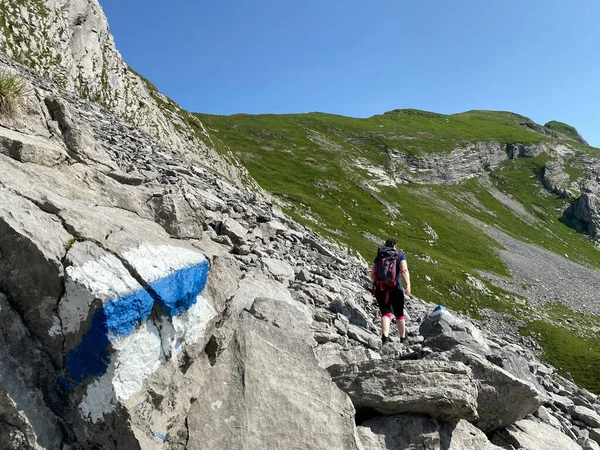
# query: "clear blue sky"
[539,58]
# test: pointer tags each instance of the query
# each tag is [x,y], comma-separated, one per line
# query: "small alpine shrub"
[12,92]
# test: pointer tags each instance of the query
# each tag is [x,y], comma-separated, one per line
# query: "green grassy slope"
[321,166]
[565,130]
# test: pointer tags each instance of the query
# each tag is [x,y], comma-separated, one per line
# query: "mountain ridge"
[431,180]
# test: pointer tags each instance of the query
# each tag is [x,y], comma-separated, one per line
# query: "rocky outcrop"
[556,180]
[400,431]
[414,431]
[586,209]
[468,162]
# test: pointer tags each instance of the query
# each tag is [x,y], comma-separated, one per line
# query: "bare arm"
[373,273]
[405,276]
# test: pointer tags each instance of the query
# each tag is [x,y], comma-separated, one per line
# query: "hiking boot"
[403,339]
[385,339]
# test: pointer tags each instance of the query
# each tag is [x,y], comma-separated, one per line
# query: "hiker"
[389,269]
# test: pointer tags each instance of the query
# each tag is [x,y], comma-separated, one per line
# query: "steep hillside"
[481,202]
[70,43]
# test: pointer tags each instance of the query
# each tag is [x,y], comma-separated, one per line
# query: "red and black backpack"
[386,269]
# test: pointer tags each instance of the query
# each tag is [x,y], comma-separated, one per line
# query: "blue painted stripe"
[119,317]
[178,293]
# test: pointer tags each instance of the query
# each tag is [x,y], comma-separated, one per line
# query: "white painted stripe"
[104,279]
[137,356]
[153,262]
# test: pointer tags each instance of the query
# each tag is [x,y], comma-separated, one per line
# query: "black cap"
[390,242]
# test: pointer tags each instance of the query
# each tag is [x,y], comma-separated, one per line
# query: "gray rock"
[587,209]
[405,431]
[268,384]
[25,417]
[590,445]
[462,435]
[234,230]
[544,415]
[447,340]
[586,415]
[258,285]
[531,435]
[271,229]
[321,315]
[443,390]
[340,326]
[175,214]
[364,337]
[445,322]
[502,398]
[595,434]
[30,149]
[304,275]
[516,365]
[223,281]
[32,244]
[280,269]
[353,311]
[449,168]
[562,402]
[519,150]
[78,136]
[331,353]
[317,246]
[556,180]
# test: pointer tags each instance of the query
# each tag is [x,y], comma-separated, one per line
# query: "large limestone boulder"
[266,389]
[502,398]
[111,300]
[442,321]
[444,390]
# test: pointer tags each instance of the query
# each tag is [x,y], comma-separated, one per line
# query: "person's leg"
[386,320]
[386,314]
[398,305]
[401,327]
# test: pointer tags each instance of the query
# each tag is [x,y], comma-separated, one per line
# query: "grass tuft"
[12,92]
[79,238]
